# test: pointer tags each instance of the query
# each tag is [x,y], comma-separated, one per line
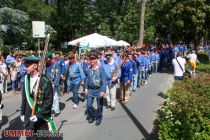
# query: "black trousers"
[38,128]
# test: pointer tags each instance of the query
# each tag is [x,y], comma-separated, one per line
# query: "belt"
[71,78]
[94,88]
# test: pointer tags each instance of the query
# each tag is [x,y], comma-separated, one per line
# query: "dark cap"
[31,59]
[49,54]
[108,54]
[93,55]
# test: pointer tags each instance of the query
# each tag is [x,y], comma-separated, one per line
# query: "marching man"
[110,66]
[42,119]
[95,87]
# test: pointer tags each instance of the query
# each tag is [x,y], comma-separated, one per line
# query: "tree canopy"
[165,20]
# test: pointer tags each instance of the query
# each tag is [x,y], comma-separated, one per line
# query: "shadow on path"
[161,94]
[136,122]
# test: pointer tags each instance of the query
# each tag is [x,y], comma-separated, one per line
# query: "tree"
[184,20]
[11,22]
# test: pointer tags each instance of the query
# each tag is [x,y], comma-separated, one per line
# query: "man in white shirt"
[179,67]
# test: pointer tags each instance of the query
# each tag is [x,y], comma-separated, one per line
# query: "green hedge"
[204,65]
[203,68]
[186,113]
[203,58]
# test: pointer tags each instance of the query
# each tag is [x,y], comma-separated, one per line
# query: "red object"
[144,46]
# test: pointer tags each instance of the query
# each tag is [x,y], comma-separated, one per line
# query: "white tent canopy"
[123,43]
[94,41]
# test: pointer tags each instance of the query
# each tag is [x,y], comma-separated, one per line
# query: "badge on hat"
[108,54]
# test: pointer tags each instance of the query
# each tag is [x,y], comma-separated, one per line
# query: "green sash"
[51,125]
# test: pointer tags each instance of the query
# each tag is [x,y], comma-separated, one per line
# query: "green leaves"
[13,16]
[185,20]
[186,114]
[11,23]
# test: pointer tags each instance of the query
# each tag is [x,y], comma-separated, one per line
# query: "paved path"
[133,121]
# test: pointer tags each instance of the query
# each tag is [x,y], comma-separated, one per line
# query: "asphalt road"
[133,121]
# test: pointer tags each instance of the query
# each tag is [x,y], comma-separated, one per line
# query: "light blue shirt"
[10,59]
[76,74]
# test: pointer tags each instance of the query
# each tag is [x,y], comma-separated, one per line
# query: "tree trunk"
[141,34]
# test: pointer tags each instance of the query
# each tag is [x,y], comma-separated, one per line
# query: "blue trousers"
[139,79]
[150,70]
[14,84]
[145,74]
[75,89]
[154,67]
[95,114]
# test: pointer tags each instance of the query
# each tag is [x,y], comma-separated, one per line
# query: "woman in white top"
[3,75]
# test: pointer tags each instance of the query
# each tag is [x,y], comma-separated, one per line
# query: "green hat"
[49,54]
[93,55]
[108,54]
[31,59]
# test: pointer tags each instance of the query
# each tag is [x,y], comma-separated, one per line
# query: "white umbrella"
[123,43]
[94,41]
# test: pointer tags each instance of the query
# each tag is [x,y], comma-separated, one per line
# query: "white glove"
[34,118]
[22,117]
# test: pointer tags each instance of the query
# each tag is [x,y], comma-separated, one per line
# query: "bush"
[204,65]
[203,68]
[5,49]
[186,113]
[203,58]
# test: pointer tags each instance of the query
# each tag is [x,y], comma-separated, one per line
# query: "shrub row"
[204,65]
[186,113]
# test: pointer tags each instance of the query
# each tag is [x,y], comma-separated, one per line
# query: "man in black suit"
[42,119]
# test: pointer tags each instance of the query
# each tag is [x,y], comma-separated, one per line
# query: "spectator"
[179,66]
[17,65]
[10,58]
[1,107]
[22,73]
[192,69]
[193,57]
[3,75]
[14,73]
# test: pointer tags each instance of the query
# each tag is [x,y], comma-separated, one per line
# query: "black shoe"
[134,90]
[107,107]
[86,112]
[98,122]
[91,120]
[112,108]
[56,114]
[53,112]
[88,117]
